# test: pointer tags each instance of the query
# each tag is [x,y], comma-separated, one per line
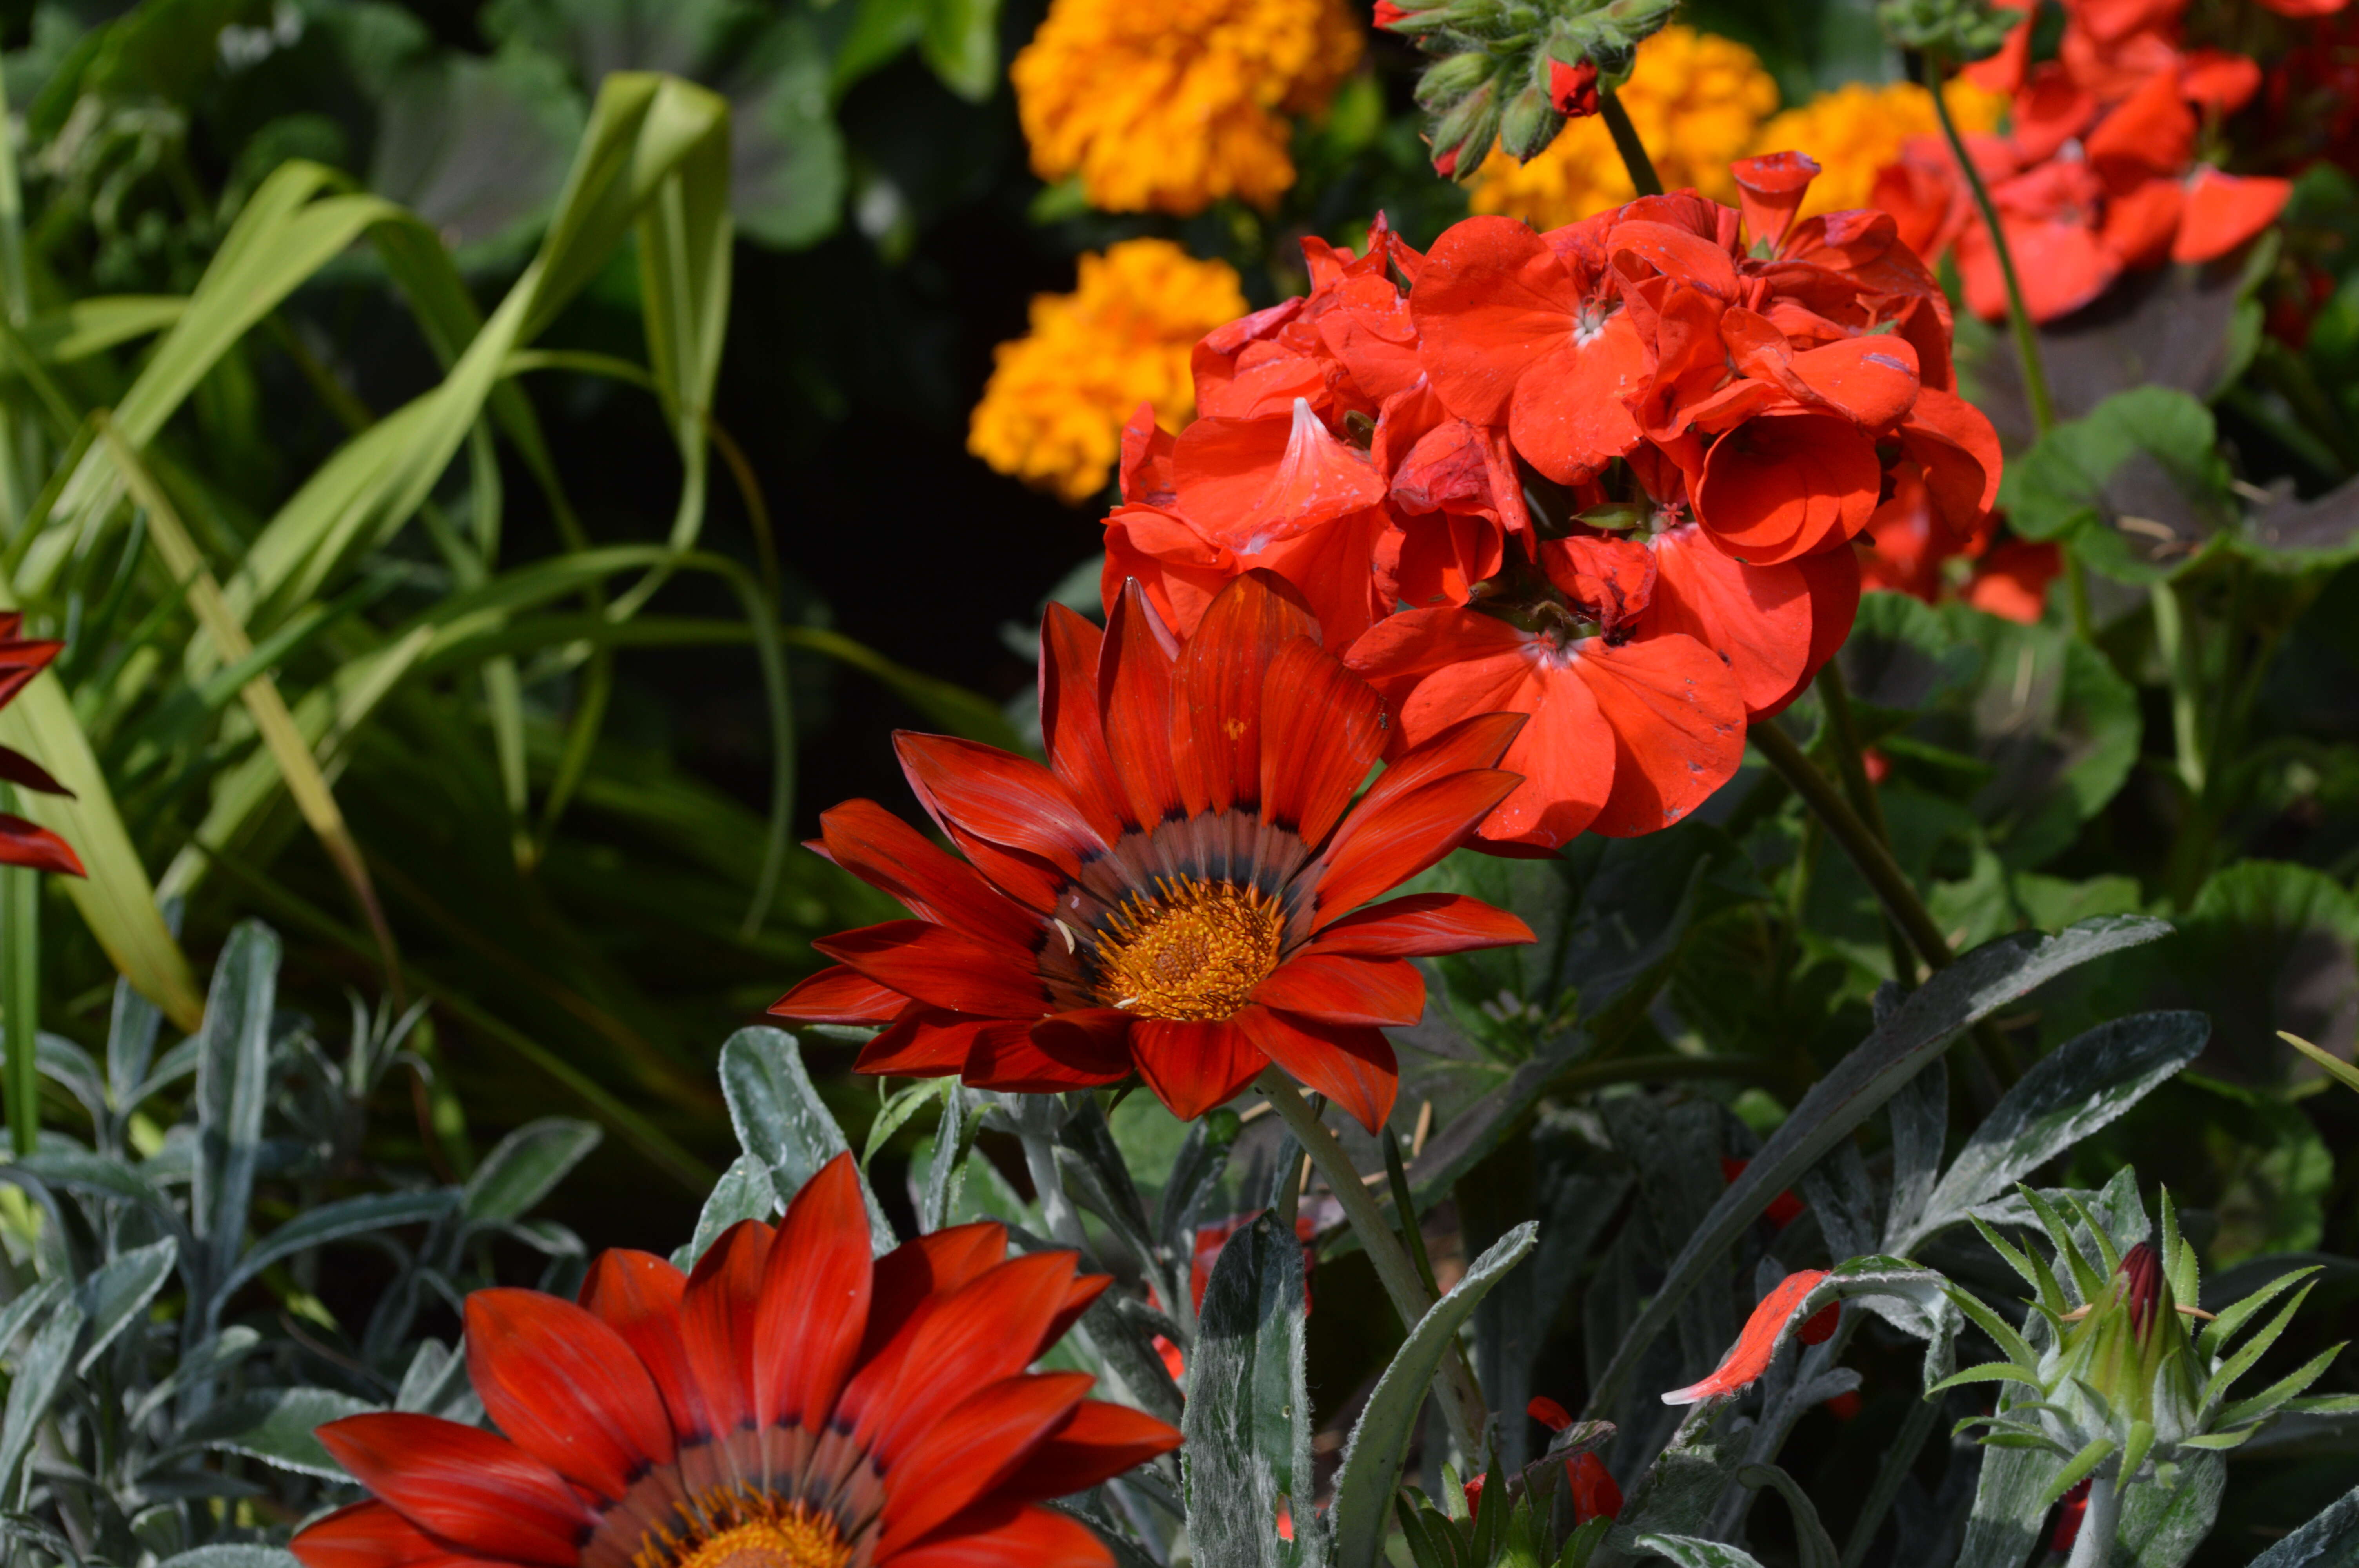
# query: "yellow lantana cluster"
[1857,129]
[1168,109]
[1053,410]
[1696,101]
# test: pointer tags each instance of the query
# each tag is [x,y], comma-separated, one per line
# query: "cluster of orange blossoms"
[2097,174]
[1607,477]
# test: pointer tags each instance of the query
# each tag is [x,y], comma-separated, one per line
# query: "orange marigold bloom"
[1168,109]
[1696,101]
[1177,894]
[792,1403]
[1052,412]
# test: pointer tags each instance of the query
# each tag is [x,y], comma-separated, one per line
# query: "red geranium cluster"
[1608,476]
[2097,174]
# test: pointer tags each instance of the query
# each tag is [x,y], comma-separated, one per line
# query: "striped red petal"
[1381,847]
[1345,990]
[1323,727]
[566,1389]
[933,884]
[1191,1067]
[924,1044]
[20,770]
[1090,1039]
[1101,1441]
[716,1321]
[638,1296]
[997,1536]
[1007,800]
[1756,1343]
[1421,924]
[1134,704]
[24,843]
[1008,1056]
[1350,1063]
[813,1306]
[371,1535]
[1070,726]
[990,1329]
[841,994]
[942,967]
[933,1265]
[977,1442]
[1216,703]
[481,1493]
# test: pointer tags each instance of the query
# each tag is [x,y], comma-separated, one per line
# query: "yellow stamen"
[740,1530]
[1191,951]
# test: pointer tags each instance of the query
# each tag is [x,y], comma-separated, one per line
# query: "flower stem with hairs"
[1461,1398]
[1643,177]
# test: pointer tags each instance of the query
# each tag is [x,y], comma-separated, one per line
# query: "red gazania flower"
[791,1403]
[1177,893]
[1756,1343]
[24,843]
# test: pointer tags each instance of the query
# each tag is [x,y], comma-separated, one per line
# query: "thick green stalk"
[20,980]
[1643,177]
[1461,1398]
[1867,851]
[1842,727]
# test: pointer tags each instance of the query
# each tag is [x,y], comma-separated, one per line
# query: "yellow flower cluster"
[1168,109]
[1696,99]
[1857,129]
[1053,410]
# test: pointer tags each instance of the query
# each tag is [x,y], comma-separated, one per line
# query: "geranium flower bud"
[1529,125]
[1573,88]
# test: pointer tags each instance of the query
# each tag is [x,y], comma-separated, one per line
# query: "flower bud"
[1529,125]
[1449,80]
[1463,139]
[1958,29]
[1572,89]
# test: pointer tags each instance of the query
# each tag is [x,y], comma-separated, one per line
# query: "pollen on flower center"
[1192,951]
[738,1530]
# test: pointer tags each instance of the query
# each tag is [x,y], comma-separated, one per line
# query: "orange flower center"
[1192,951]
[737,1530]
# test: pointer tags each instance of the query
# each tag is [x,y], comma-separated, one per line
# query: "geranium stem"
[1462,1399]
[1643,177]
[1859,842]
[1842,727]
[2027,336]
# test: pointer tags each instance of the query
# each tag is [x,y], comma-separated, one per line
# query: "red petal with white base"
[1756,1343]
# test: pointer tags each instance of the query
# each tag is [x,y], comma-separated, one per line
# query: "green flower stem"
[2019,323]
[2174,640]
[1842,727]
[2093,1547]
[1643,177]
[1461,1396]
[1867,851]
[21,977]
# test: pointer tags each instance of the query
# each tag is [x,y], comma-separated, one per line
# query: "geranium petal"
[1755,617]
[1570,414]
[1678,720]
[1490,301]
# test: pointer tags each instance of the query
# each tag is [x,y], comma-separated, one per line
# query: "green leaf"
[233,1087]
[782,1122]
[2077,1469]
[2081,1085]
[524,1168]
[2336,1068]
[39,1371]
[1372,1460]
[233,1556]
[277,1427]
[1948,1003]
[337,1221]
[2134,489]
[1691,1551]
[960,43]
[2223,1328]
[118,1291]
[2331,1538]
[1816,1549]
[1248,1416]
[2008,1508]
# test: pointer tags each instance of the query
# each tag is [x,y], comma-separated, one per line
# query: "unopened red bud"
[1388,13]
[2141,1275]
[1594,1495]
[1821,1325]
[1447,164]
[1573,88]
[1548,1413]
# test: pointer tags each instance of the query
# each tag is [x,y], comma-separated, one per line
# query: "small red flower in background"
[2097,175]
[1783,1210]
[1572,89]
[24,843]
[1757,1341]
[1594,1494]
[791,1403]
[1177,893]
[2069,1514]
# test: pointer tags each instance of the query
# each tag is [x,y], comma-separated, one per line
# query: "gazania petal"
[1322,728]
[1343,990]
[989,1330]
[481,1493]
[1135,701]
[24,843]
[1350,1063]
[813,1305]
[1380,849]
[638,1296]
[981,1439]
[998,1537]
[1750,1356]
[1421,924]
[1009,800]
[371,1535]
[933,884]
[1193,1067]
[1216,691]
[1006,1056]
[841,994]
[716,1321]
[925,1044]
[1071,649]
[1099,1442]
[940,967]
[566,1389]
